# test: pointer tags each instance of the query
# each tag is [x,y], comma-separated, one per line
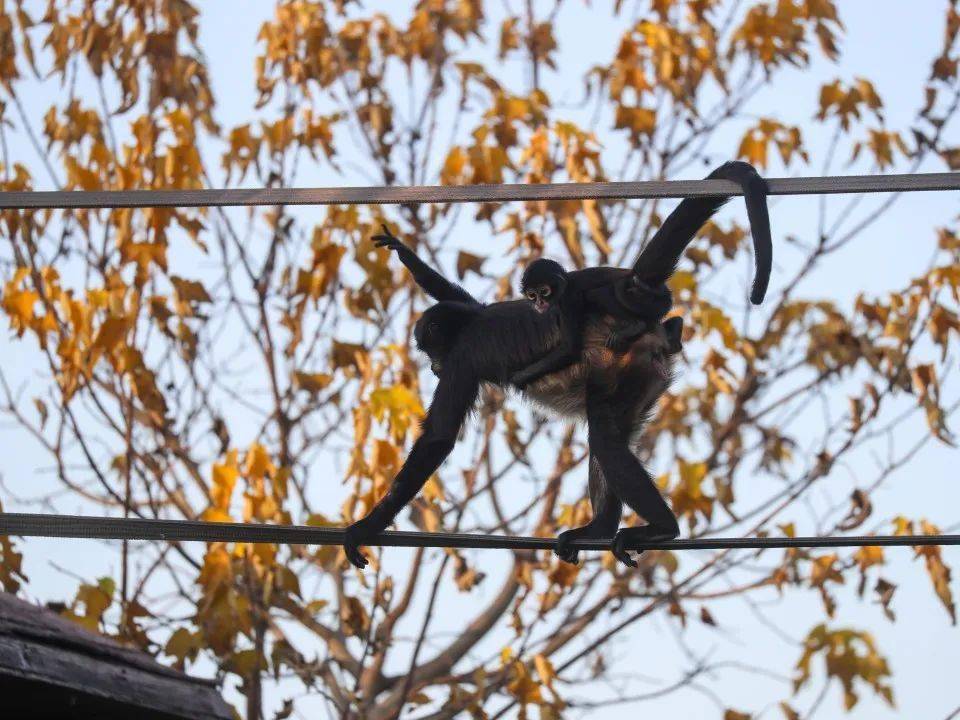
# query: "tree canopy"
[257,365]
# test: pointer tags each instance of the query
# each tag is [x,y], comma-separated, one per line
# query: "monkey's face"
[543,283]
[540,296]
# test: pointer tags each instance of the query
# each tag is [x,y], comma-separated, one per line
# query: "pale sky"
[892,44]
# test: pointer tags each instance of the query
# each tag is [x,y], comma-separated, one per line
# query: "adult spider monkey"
[469,343]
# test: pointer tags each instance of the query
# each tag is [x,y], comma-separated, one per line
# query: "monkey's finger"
[386,230]
[356,558]
[620,553]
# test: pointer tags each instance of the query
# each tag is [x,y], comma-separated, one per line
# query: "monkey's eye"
[546,291]
[531,295]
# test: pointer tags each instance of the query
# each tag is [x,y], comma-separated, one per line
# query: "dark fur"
[637,297]
[588,293]
[659,259]
[469,343]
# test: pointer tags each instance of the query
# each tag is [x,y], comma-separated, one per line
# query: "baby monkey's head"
[543,282]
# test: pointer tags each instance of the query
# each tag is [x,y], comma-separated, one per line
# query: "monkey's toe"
[618,549]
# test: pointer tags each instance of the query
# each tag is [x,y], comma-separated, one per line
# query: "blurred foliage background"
[256,365]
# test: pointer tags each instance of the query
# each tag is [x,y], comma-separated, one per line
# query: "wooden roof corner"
[52,667]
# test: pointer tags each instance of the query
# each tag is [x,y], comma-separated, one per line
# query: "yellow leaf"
[468,262]
[258,463]
[544,670]
[868,555]
[19,304]
[224,479]
[111,332]
[183,645]
[938,570]
[313,383]
[190,290]
[452,172]
[399,406]
[353,616]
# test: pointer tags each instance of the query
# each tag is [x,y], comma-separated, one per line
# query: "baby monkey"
[592,292]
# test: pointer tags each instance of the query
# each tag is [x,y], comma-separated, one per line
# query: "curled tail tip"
[745,175]
[737,170]
[758,293]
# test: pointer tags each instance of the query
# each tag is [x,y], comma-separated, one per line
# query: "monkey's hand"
[356,535]
[388,240]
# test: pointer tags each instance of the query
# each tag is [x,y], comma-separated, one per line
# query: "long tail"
[659,259]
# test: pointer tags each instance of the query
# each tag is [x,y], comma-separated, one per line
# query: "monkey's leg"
[626,478]
[452,399]
[607,510]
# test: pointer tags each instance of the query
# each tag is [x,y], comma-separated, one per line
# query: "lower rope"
[107,528]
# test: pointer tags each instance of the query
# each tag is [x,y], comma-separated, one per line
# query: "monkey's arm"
[452,400]
[432,282]
[563,355]
[568,349]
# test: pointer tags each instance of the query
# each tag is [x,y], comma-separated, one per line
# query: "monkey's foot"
[569,554]
[631,535]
